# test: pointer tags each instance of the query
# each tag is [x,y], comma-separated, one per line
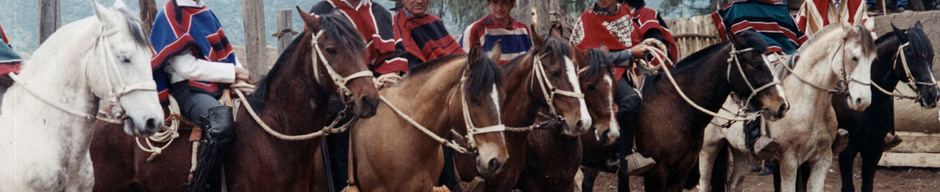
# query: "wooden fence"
[693,34]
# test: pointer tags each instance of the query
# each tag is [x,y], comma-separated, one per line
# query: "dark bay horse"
[553,158]
[670,130]
[544,81]
[400,148]
[867,129]
[290,99]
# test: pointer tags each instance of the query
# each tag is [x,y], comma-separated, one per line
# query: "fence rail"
[693,34]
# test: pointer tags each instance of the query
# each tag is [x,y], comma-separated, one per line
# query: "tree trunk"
[49,18]
[255,46]
[148,11]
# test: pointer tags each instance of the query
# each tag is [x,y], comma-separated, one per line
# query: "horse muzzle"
[366,106]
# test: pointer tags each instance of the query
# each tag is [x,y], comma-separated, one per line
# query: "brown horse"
[553,158]
[453,94]
[291,100]
[541,81]
[671,130]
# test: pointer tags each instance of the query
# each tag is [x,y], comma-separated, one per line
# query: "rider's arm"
[189,67]
[621,58]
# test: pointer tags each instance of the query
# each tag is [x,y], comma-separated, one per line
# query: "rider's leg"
[218,129]
[629,105]
[338,148]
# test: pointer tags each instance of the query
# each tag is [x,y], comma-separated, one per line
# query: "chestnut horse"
[400,148]
[292,99]
[543,81]
[867,129]
[553,158]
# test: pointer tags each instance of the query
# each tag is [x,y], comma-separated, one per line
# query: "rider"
[422,36]
[374,23]
[499,25]
[194,62]
[622,27]
[816,14]
[9,62]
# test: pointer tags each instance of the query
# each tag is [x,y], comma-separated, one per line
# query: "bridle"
[338,79]
[549,91]
[911,82]
[733,59]
[114,92]
[468,122]
[841,87]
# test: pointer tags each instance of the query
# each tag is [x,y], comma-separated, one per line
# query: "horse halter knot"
[548,89]
[737,62]
[338,79]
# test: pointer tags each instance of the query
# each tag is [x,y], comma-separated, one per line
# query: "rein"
[115,93]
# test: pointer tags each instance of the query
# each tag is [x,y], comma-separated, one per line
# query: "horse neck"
[296,109]
[704,83]
[882,68]
[424,95]
[521,104]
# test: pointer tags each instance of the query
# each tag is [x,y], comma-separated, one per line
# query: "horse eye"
[331,50]
[590,87]
[854,59]
[124,59]
[555,73]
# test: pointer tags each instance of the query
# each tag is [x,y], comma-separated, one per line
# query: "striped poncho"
[771,19]
[514,39]
[423,38]
[9,60]
[177,29]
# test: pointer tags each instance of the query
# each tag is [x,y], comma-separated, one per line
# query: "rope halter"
[548,89]
[338,79]
[733,59]
[468,121]
[911,82]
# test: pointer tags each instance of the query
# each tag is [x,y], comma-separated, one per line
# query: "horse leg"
[587,184]
[706,161]
[788,173]
[846,161]
[870,160]
[656,179]
[742,163]
[819,167]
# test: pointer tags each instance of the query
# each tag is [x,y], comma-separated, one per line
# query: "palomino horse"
[290,100]
[867,129]
[553,158]
[805,136]
[400,148]
[543,81]
[671,128]
[49,111]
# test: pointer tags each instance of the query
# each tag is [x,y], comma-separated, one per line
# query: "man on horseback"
[622,27]
[374,23]
[498,25]
[9,62]
[194,62]
[422,36]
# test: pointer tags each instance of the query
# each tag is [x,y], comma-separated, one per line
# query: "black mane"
[484,75]
[597,62]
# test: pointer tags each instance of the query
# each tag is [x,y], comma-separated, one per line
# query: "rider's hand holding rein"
[622,58]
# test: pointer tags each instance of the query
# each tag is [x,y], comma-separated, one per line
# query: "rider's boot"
[636,163]
[891,141]
[841,141]
[219,128]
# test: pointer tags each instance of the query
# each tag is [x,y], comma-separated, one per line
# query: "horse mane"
[597,62]
[920,42]
[133,24]
[334,26]
[556,47]
[485,75]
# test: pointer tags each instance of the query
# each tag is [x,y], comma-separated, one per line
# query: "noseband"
[736,61]
[338,79]
[468,122]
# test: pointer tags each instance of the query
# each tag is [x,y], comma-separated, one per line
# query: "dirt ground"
[886,179]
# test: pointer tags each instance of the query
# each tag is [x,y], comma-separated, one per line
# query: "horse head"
[554,75]
[338,56]
[857,53]
[751,77]
[119,72]
[597,81]
[915,66]
[478,95]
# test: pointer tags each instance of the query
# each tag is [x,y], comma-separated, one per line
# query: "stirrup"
[442,188]
[637,164]
[891,141]
[765,147]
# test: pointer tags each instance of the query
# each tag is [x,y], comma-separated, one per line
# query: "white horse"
[839,54]
[46,124]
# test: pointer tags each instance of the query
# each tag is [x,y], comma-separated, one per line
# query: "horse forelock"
[483,76]
[865,40]
[338,28]
[133,26]
[597,62]
[920,44]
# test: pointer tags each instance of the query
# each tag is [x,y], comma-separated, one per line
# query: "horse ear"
[102,13]
[312,22]
[918,25]
[119,4]
[537,39]
[474,56]
[497,51]
[897,32]
[740,40]
[556,31]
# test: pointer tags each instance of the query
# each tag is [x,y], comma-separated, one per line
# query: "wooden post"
[49,19]
[148,11]
[255,45]
[285,32]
